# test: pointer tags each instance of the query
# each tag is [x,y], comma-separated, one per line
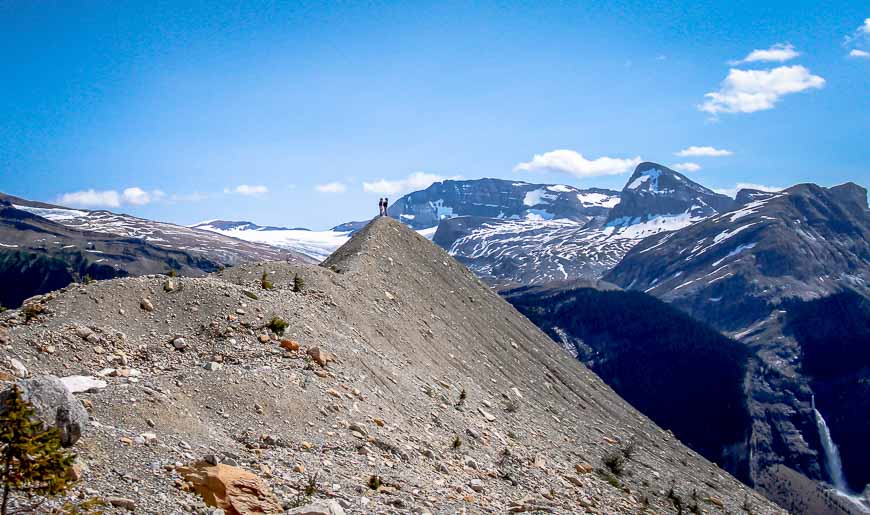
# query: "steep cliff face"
[650,352]
[739,271]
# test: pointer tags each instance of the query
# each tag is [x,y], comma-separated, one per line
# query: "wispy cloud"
[859,41]
[732,192]
[331,187]
[247,190]
[778,53]
[694,151]
[686,167]
[133,196]
[748,91]
[573,163]
[90,198]
[415,181]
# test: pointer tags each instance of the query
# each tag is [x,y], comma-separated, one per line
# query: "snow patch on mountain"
[537,197]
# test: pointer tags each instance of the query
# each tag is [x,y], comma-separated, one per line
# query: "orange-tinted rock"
[232,489]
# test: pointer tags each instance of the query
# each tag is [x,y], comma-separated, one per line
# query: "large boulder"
[232,489]
[54,405]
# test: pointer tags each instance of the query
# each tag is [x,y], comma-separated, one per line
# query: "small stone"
[488,416]
[146,305]
[300,468]
[213,366]
[378,422]
[320,357]
[169,285]
[179,343]
[476,485]
[584,468]
[121,502]
[264,338]
[18,368]
[333,393]
[289,345]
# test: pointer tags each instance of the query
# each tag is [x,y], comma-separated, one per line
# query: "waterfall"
[832,454]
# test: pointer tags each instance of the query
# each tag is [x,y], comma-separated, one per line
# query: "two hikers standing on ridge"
[383,204]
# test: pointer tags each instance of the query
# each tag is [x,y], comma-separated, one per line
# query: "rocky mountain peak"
[655,191]
[501,199]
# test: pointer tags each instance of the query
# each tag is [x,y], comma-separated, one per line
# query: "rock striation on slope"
[400,384]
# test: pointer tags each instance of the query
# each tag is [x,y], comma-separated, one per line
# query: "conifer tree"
[298,283]
[32,461]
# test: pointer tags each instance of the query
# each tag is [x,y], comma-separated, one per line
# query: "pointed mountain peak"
[655,190]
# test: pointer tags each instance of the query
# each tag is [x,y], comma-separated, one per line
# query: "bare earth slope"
[409,329]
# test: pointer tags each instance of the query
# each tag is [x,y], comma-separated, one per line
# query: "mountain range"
[666,289]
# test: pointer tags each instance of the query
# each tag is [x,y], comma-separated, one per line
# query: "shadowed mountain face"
[805,242]
[199,244]
[38,256]
[683,374]
[468,405]
[834,338]
[742,272]
[45,247]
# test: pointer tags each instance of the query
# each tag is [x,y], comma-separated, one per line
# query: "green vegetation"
[374,482]
[298,283]
[457,442]
[615,462]
[33,463]
[277,325]
[265,282]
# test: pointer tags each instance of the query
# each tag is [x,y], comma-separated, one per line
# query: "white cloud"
[866,27]
[413,182]
[332,187]
[703,151]
[573,163]
[748,91]
[138,197]
[732,192]
[779,53]
[245,189]
[686,167]
[859,54]
[90,198]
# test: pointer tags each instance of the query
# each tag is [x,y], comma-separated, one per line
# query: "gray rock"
[319,508]
[55,405]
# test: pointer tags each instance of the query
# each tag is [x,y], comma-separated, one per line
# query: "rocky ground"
[402,384]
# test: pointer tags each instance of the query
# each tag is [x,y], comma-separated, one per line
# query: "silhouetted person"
[381,206]
[386,205]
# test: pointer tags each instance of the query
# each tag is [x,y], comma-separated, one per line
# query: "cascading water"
[832,455]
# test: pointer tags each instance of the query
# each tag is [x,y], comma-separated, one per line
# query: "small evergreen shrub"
[34,464]
[298,283]
[278,325]
[265,282]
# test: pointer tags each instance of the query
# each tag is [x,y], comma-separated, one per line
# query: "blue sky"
[303,114]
